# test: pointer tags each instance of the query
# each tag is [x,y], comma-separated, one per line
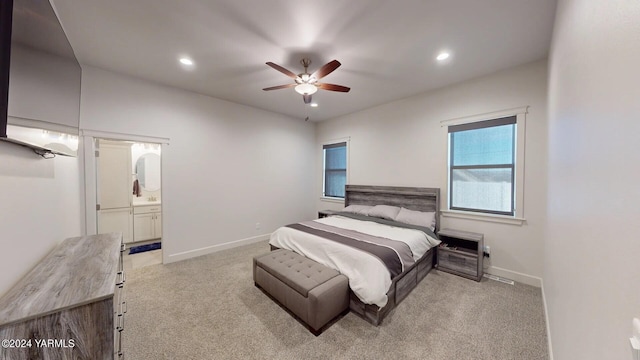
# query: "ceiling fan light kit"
[306,89]
[307,84]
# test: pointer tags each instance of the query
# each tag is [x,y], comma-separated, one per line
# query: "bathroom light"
[442,56]
[306,89]
[314,104]
[186,61]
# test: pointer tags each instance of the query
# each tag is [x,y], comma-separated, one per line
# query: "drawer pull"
[124,306]
[123,279]
[120,324]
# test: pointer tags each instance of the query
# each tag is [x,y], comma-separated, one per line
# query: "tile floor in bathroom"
[136,261]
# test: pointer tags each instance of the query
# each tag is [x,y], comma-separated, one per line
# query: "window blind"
[335,169]
[482,159]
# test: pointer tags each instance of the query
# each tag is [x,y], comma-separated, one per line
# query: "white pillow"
[384,211]
[420,218]
[358,209]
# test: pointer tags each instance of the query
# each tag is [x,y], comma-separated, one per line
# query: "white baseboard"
[546,319]
[214,248]
[516,276]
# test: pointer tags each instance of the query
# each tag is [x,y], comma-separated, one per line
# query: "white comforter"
[368,277]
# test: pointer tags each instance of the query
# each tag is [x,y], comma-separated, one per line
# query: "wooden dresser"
[70,306]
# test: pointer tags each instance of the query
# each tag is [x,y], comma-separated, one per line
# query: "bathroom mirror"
[148,171]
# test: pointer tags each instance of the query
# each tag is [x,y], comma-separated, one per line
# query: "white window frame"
[345,140]
[518,216]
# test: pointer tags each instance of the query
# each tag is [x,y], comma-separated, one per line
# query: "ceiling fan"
[307,84]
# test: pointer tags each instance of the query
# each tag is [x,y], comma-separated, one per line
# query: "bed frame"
[412,198]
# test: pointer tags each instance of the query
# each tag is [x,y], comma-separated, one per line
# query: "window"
[482,166]
[335,169]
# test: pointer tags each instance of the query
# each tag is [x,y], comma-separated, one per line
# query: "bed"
[380,294]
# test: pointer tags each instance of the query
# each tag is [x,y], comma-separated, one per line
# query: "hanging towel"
[136,188]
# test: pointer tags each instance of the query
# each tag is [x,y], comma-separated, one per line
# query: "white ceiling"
[387,48]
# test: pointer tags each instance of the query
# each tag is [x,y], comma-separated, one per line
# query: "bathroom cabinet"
[147,222]
[117,220]
[115,184]
[115,188]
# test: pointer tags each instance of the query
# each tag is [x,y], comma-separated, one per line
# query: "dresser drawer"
[117,337]
[84,309]
[458,261]
[147,209]
[123,249]
[119,308]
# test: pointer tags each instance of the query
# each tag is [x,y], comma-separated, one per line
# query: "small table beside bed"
[384,242]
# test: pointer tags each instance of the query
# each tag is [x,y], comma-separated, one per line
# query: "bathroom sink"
[144,201]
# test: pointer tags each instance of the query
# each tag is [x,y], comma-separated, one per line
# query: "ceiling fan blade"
[333,87]
[279,87]
[282,70]
[306,99]
[326,69]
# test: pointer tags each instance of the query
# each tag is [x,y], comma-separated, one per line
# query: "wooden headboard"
[412,198]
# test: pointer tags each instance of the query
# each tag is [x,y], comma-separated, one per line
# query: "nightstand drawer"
[461,253]
[458,261]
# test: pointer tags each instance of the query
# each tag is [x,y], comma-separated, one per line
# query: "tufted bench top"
[298,272]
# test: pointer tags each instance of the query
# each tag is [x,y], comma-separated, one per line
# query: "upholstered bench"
[311,291]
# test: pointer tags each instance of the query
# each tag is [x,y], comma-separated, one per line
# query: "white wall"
[592,251]
[402,143]
[40,207]
[227,167]
[41,199]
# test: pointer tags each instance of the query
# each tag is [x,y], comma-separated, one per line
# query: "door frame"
[90,179]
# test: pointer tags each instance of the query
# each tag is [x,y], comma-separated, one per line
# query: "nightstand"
[461,253]
[325,213]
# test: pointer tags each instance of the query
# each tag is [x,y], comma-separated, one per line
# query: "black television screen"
[6,14]
[40,80]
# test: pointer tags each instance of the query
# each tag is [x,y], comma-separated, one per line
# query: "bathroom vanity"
[147,222]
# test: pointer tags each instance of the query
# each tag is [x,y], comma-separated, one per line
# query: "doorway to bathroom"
[129,197]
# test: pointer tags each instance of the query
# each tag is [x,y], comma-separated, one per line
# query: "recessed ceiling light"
[186,61]
[442,56]
[314,105]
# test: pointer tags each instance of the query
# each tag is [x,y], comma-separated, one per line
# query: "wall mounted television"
[39,79]
[6,15]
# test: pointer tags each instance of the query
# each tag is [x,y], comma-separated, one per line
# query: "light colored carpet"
[208,308]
